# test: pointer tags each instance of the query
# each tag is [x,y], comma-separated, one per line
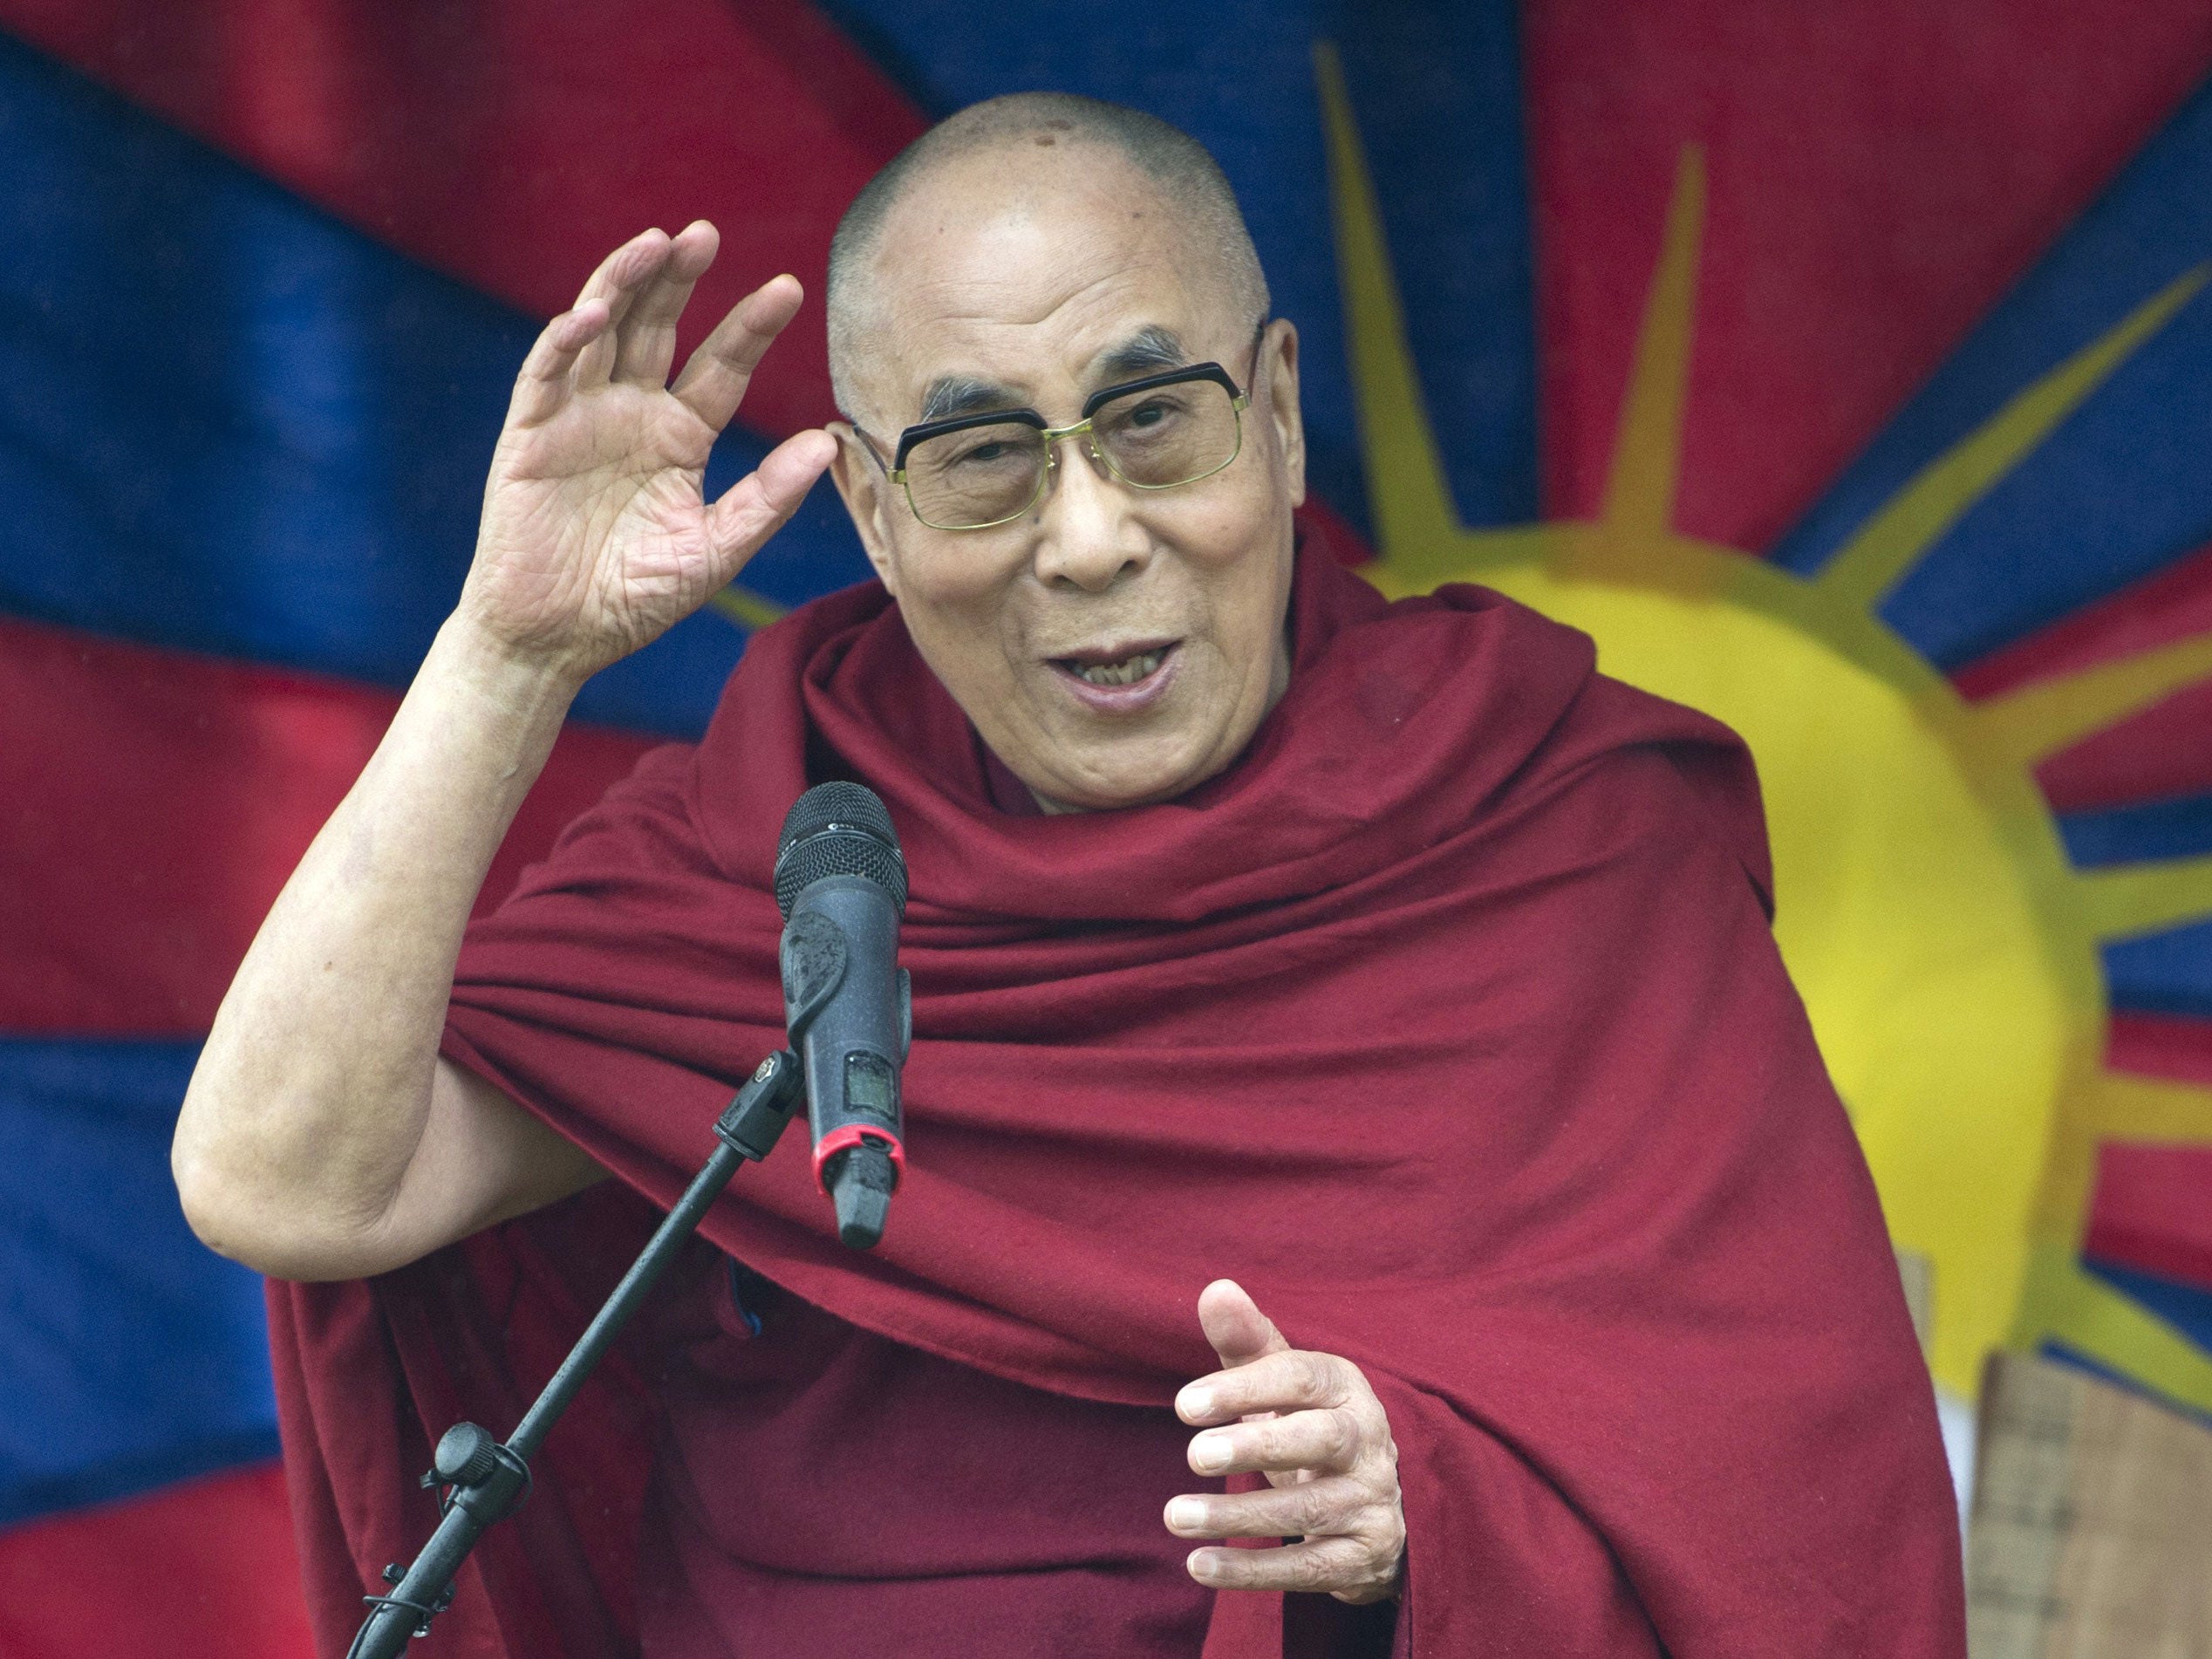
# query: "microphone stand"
[484,1479]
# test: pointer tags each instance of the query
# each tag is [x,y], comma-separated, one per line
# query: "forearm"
[313,1090]
[321,1138]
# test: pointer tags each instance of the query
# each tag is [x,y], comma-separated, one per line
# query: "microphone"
[841,884]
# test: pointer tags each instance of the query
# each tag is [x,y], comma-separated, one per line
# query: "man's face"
[1043,274]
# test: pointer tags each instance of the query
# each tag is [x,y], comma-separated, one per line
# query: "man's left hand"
[1309,1422]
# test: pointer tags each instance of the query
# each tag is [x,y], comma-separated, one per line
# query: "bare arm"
[322,1136]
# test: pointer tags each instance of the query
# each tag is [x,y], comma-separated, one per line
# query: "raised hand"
[595,538]
[1311,1423]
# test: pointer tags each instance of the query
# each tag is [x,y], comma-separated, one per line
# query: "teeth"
[1127,672]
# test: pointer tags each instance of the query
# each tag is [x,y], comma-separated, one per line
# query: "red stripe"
[2165,750]
[2174,603]
[511,144]
[205,1570]
[156,800]
[2170,1045]
[2151,1211]
[1880,172]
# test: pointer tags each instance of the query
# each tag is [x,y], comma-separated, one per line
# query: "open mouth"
[1118,665]
[1123,670]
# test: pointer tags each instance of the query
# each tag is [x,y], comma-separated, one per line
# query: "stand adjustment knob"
[466,1455]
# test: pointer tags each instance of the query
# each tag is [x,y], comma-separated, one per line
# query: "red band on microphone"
[851,1135]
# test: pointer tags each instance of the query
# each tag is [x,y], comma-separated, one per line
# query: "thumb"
[754,507]
[1233,1323]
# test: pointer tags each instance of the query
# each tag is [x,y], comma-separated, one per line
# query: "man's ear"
[868,496]
[1278,350]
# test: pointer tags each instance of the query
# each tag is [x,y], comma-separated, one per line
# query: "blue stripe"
[1438,92]
[2159,829]
[2168,973]
[2122,488]
[228,422]
[130,1354]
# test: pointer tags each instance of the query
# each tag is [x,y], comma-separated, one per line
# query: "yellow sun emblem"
[1945,949]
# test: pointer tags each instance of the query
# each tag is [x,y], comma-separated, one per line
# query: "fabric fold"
[1447,1020]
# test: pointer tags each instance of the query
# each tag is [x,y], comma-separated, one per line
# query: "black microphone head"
[838,830]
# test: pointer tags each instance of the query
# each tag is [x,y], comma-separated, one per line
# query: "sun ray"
[2111,1106]
[2022,727]
[1415,519]
[1868,566]
[745,608]
[1983,1112]
[1647,453]
[2123,900]
[2063,1303]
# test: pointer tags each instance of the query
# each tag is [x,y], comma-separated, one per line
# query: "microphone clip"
[752,1123]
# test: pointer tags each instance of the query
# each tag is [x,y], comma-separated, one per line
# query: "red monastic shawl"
[1447,1020]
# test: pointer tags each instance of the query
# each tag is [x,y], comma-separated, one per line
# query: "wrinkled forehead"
[1033,278]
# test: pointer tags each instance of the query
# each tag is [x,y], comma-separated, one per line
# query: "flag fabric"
[1845,369]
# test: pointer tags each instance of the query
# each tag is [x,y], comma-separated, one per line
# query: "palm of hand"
[595,538]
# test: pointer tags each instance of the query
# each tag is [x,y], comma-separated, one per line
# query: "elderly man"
[1384,958]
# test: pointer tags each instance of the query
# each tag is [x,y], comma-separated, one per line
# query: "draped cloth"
[1448,1021]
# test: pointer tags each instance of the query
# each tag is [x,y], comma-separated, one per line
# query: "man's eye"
[987,452]
[1150,414]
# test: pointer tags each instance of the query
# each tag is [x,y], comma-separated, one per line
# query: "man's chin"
[1119,783]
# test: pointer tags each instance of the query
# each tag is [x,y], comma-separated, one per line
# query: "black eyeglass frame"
[1240,400]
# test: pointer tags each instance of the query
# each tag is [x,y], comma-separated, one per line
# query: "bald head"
[984,148]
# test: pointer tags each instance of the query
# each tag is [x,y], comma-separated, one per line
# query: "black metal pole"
[484,1479]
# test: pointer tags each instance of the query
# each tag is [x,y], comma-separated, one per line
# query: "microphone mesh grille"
[838,830]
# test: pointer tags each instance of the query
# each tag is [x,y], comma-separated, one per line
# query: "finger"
[1333,1564]
[618,281]
[1281,1382]
[1326,1508]
[545,382]
[714,381]
[1233,1323]
[1326,1440]
[646,342]
[755,507]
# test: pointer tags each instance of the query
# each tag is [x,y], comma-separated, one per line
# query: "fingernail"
[1194,1402]
[1186,1514]
[1201,1564]
[1211,1452]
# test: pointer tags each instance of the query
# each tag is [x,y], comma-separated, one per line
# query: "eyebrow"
[1149,350]
[959,394]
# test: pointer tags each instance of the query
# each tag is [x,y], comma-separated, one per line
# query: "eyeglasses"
[972,471]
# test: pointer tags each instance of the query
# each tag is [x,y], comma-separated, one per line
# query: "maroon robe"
[1447,1020]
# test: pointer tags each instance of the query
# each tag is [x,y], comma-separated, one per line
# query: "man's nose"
[1090,533]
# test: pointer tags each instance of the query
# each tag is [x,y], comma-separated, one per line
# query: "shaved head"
[1113,643]
[1185,178]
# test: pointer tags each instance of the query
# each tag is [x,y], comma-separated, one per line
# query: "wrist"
[530,686]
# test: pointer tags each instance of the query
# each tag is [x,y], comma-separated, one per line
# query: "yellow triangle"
[2022,727]
[745,608]
[1918,515]
[1647,455]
